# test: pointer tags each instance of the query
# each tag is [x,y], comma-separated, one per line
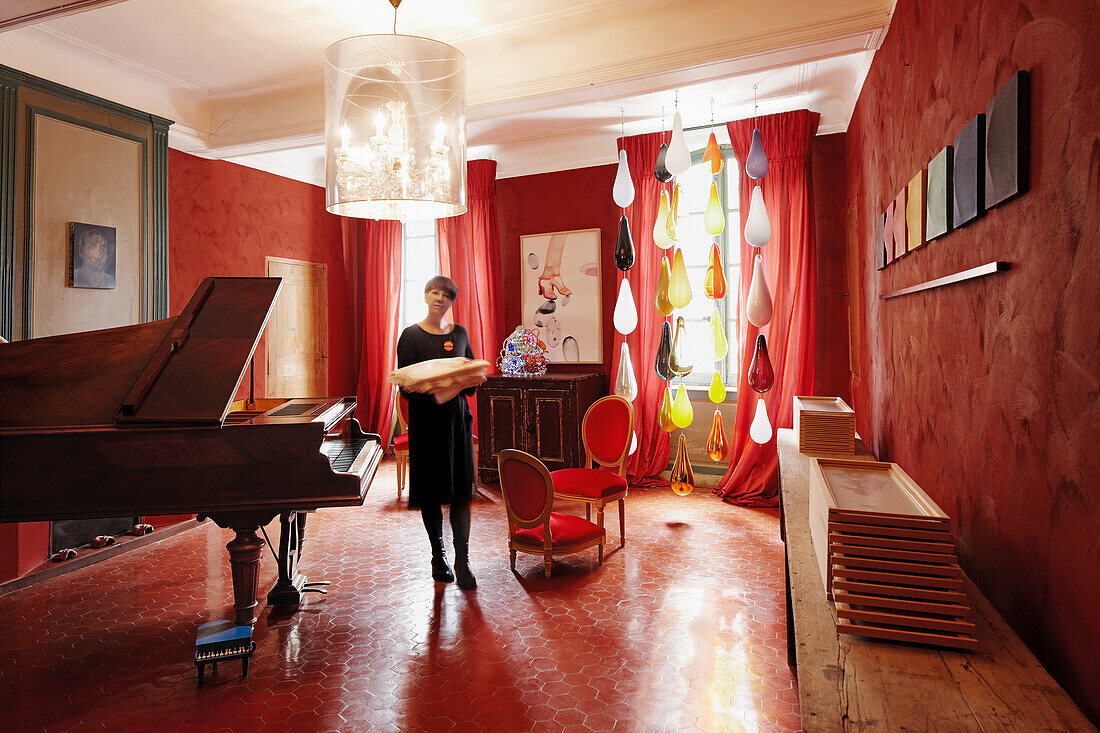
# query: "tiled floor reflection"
[682,630]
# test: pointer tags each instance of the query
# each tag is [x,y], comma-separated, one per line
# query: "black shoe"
[441,571]
[466,579]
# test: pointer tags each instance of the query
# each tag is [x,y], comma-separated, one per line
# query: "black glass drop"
[659,170]
[624,248]
[664,353]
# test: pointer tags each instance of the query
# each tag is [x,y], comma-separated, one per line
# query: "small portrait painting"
[91,256]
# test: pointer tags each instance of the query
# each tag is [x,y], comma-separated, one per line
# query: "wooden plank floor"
[854,684]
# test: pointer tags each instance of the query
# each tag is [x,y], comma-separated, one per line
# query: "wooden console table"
[849,683]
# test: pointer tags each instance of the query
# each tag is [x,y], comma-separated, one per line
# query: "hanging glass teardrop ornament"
[624,246]
[717,391]
[626,386]
[623,190]
[633,443]
[758,229]
[673,213]
[659,170]
[756,163]
[678,158]
[660,226]
[664,415]
[714,220]
[664,354]
[626,313]
[714,283]
[761,429]
[660,300]
[713,155]
[758,303]
[717,448]
[679,289]
[716,344]
[682,478]
[761,376]
[678,362]
[682,413]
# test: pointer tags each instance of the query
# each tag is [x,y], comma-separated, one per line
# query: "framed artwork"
[561,293]
[1006,131]
[968,173]
[879,243]
[901,238]
[914,210]
[91,256]
[937,202]
[888,233]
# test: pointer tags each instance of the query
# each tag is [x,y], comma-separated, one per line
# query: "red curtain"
[790,267]
[372,260]
[645,465]
[469,254]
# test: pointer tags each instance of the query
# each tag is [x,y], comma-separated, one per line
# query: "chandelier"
[395,127]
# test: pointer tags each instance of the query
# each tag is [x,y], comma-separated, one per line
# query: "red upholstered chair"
[606,430]
[533,527]
[401,445]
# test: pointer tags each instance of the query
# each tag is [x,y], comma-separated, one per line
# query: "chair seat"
[401,442]
[565,529]
[587,482]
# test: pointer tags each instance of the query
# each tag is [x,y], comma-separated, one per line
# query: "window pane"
[733,178]
[420,228]
[420,259]
[695,188]
[695,349]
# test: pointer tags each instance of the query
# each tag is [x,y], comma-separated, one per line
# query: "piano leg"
[244,556]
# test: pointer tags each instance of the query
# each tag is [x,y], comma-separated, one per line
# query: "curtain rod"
[704,127]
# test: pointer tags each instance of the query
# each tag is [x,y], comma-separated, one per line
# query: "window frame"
[416,283]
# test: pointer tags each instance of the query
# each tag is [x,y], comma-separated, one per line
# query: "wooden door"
[547,419]
[501,411]
[297,334]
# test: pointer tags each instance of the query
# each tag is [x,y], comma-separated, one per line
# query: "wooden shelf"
[980,271]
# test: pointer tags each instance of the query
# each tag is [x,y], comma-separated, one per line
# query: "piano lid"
[182,370]
[194,373]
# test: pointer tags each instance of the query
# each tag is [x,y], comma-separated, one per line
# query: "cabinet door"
[501,412]
[548,416]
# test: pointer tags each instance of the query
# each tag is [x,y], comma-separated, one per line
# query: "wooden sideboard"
[540,415]
[848,683]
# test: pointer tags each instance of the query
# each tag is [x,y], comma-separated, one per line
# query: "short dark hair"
[446,284]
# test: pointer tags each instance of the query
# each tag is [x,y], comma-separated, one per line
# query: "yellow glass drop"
[717,391]
[679,289]
[717,341]
[717,448]
[714,284]
[713,155]
[683,478]
[664,305]
[714,220]
[664,416]
[673,213]
[682,413]
[660,227]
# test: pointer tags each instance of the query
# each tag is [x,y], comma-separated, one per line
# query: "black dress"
[441,443]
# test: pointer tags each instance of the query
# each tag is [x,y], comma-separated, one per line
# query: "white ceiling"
[546,79]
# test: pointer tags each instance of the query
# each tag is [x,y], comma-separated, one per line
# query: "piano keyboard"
[342,455]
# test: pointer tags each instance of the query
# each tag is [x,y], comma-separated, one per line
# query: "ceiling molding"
[16,13]
[533,21]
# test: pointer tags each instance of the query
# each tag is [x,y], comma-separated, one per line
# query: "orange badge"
[448,345]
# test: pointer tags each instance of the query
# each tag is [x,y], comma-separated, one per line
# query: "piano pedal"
[318,582]
[322,591]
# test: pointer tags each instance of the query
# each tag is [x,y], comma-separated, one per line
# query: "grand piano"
[141,420]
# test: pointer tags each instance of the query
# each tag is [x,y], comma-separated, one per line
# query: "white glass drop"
[758,230]
[623,190]
[626,386]
[756,163]
[678,157]
[626,313]
[761,429]
[634,442]
[758,303]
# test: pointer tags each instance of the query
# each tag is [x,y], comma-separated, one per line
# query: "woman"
[441,445]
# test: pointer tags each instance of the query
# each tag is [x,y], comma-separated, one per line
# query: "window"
[698,314]
[420,263]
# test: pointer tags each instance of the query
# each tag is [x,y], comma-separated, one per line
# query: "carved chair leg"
[599,555]
[548,560]
[513,552]
[599,514]
[622,523]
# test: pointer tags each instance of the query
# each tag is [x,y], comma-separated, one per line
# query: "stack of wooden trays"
[887,556]
[825,425]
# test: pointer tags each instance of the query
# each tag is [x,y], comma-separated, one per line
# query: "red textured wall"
[556,202]
[986,392]
[224,219]
[831,358]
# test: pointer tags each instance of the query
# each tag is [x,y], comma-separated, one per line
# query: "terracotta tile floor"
[682,630]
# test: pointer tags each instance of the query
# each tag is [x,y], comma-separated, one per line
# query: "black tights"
[432,514]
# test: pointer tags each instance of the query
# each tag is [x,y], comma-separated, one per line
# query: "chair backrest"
[402,412]
[606,430]
[527,488]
